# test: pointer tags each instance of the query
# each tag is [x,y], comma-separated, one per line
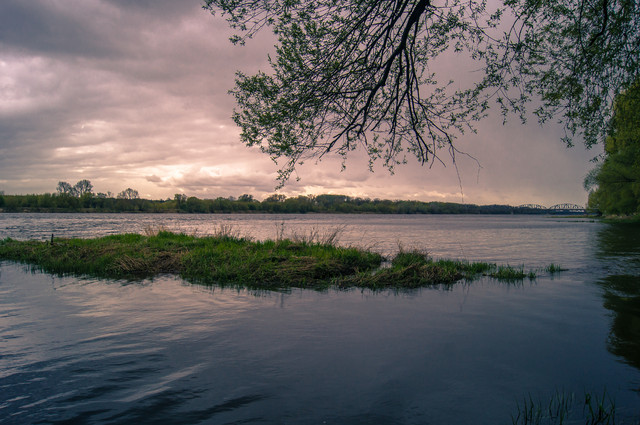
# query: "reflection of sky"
[134,94]
[167,350]
[56,320]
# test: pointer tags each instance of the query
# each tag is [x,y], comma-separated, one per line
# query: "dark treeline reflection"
[619,247]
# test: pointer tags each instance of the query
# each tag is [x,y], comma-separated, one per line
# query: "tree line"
[615,183]
[128,201]
[84,188]
[74,198]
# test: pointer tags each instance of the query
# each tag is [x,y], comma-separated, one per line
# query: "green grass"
[411,269]
[554,268]
[564,408]
[210,260]
[512,273]
[227,259]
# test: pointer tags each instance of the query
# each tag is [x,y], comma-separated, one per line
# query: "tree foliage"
[129,193]
[83,187]
[64,188]
[575,56]
[617,178]
[360,73]
[80,189]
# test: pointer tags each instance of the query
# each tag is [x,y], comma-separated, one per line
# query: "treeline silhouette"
[88,202]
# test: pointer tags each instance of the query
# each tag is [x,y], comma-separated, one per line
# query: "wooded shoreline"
[278,204]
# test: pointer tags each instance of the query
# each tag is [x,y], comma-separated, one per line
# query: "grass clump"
[227,259]
[564,408]
[511,273]
[415,268]
[554,268]
[220,259]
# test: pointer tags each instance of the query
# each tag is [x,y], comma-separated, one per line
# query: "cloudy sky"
[133,93]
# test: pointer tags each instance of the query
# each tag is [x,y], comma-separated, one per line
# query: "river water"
[81,350]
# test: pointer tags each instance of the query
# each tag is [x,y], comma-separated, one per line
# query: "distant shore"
[276,204]
[96,211]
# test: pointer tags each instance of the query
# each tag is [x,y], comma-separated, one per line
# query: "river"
[82,350]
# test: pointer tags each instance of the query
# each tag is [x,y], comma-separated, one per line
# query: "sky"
[134,94]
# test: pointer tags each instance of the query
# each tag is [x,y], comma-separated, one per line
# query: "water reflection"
[165,351]
[618,247]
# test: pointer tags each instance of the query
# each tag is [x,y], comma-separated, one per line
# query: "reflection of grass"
[410,269]
[511,273]
[226,258]
[564,408]
[554,268]
[416,268]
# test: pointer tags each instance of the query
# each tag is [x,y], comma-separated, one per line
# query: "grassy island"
[230,260]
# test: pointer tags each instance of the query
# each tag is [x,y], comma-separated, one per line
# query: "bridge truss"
[554,209]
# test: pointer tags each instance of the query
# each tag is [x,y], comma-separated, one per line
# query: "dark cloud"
[71,28]
[160,8]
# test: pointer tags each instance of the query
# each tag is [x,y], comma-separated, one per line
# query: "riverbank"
[229,260]
[621,219]
[278,204]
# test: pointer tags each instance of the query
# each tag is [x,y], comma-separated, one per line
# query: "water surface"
[164,351]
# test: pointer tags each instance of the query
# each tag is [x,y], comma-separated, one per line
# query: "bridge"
[532,207]
[554,209]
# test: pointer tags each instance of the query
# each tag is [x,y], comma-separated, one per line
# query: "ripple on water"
[160,350]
